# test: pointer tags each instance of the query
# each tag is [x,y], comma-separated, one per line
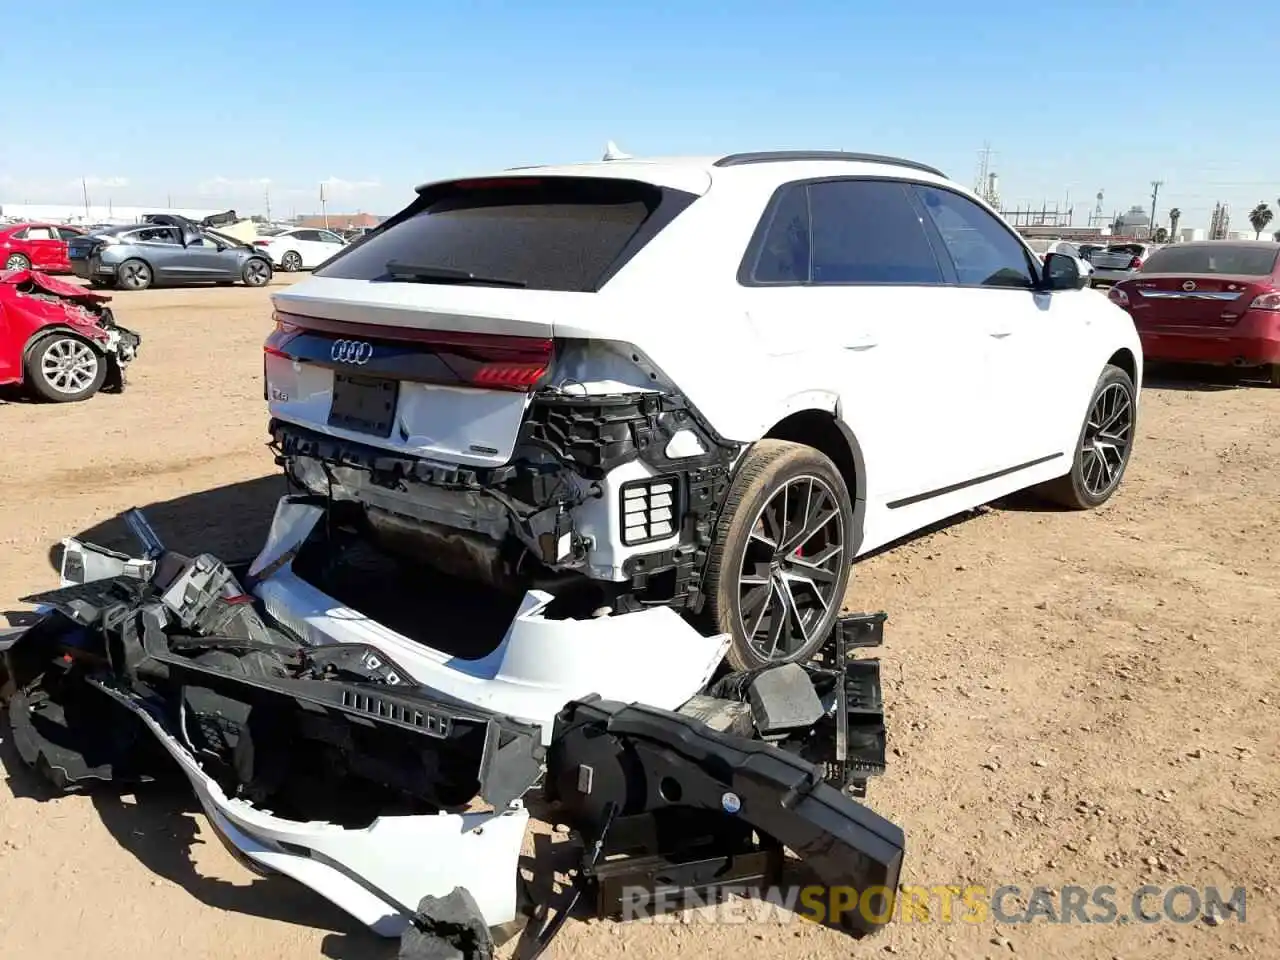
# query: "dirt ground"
[1073,699]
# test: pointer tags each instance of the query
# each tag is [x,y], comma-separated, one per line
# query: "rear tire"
[62,368]
[780,562]
[1274,371]
[291,262]
[17,261]
[133,275]
[1104,445]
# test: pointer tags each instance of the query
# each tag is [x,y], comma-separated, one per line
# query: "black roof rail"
[772,156]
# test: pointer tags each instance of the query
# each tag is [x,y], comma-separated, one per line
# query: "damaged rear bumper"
[663,772]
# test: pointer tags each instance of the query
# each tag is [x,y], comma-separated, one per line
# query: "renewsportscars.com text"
[945,903]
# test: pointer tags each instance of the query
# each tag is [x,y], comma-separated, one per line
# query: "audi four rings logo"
[357,352]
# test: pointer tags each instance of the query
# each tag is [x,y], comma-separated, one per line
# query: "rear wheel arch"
[826,433]
[1125,360]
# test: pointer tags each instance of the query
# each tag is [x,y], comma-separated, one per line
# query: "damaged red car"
[60,340]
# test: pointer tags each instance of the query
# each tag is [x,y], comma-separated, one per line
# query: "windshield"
[1212,258]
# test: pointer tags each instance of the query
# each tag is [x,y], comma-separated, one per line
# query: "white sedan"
[300,248]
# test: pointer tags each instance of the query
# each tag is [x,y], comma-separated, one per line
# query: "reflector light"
[650,510]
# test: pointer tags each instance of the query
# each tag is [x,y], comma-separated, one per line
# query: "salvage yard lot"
[1073,698]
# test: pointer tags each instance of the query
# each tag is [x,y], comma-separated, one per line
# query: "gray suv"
[165,254]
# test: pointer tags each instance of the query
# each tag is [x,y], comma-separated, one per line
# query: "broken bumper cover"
[379,873]
[149,641]
[652,656]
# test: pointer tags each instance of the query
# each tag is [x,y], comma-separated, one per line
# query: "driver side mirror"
[1065,272]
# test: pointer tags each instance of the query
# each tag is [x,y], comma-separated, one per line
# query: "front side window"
[984,251]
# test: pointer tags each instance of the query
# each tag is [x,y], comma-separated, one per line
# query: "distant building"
[1192,234]
[1134,223]
[340,221]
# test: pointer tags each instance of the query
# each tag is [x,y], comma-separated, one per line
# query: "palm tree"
[1162,235]
[1259,217]
[1174,216]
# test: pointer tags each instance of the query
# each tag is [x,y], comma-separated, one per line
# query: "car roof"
[695,174]
[1223,244]
[10,227]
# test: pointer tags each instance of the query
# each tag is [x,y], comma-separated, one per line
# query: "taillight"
[510,375]
[280,337]
[262,243]
[486,360]
[1116,295]
[1266,301]
[1135,263]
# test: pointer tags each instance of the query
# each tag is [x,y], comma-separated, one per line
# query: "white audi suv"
[708,384]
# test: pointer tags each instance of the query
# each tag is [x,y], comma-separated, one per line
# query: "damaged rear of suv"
[475,384]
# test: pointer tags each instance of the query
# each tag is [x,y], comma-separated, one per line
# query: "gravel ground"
[1073,699]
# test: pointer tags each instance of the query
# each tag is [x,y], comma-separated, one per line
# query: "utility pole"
[267,195]
[84,187]
[324,211]
[1155,192]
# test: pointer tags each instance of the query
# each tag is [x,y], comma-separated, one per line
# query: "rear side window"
[559,233]
[783,256]
[985,252]
[844,232]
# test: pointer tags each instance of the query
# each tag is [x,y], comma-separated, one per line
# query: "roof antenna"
[611,152]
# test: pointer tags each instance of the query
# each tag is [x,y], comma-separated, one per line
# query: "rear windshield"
[1249,261]
[1132,249]
[561,233]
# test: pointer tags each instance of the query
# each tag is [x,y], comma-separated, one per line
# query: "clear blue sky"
[206,102]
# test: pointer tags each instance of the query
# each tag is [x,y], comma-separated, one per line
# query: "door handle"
[1001,334]
[860,345]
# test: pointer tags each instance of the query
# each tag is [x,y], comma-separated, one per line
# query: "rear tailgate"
[448,378]
[82,248]
[1200,300]
[1115,259]
[429,337]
